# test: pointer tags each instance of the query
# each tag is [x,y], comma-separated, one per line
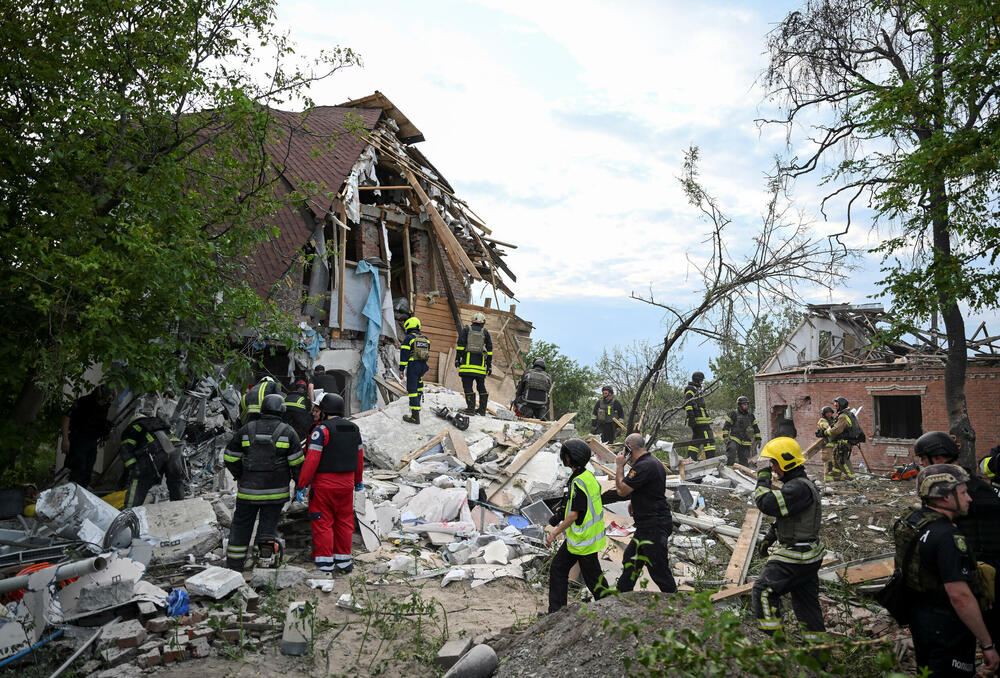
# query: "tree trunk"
[28,404]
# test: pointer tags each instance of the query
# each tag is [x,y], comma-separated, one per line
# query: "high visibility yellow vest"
[587,537]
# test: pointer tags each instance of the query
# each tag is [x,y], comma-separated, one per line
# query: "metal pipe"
[57,573]
[83,648]
[34,647]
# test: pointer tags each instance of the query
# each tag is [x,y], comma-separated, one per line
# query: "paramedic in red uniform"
[333,465]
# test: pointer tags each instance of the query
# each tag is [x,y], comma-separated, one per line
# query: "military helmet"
[608,388]
[841,403]
[272,403]
[479,318]
[332,404]
[936,444]
[698,377]
[940,480]
[785,451]
[741,400]
[576,452]
[412,323]
[826,409]
[539,363]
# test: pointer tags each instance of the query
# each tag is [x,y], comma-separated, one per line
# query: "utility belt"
[798,553]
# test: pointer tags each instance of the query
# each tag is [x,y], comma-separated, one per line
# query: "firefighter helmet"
[826,409]
[936,444]
[841,403]
[479,318]
[608,388]
[575,453]
[412,323]
[539,363]
[940,480]
[741,400]
[273,403]
[332,404]
[785,451]
[698,377]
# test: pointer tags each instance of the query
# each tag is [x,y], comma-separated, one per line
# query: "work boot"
[413,417]
[483,397]
[470,404]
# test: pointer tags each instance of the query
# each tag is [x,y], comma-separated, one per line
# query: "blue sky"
[563,124]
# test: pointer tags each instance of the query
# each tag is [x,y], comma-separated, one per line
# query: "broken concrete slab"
[176,528]
[452,651]
[214,582]
[283,577]
[124,634]
[73,512]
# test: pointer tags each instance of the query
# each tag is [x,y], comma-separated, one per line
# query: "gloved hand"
[402,374]
[820,433]
[301,495]
[764,474]
[458,363]
[359,487]
[766,545]
[554,520]
[489,371]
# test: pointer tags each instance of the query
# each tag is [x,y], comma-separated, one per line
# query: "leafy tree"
[573,385]
[135,183]
[743,356]
[902,99]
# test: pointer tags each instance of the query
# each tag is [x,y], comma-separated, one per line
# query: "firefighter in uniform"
[333,466]
[263,456]
[583,523]
[981,526]
[413,356]
[252,399]
[837,433]
[698,419]
[606,410]
[149,452]
[940,569]
[474,360]
[740,433]
[831,469]
[298,409]
[532,396]
[645,488]
[793,565]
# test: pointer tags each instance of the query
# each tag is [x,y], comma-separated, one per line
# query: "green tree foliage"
[743,356]
[903,101]
[135,183]
[573,385]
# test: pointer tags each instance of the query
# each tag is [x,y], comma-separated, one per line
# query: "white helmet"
[479,318]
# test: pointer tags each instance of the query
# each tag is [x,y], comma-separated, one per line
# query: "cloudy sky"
[563,124]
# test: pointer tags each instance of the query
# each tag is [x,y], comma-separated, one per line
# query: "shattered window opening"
[898,416]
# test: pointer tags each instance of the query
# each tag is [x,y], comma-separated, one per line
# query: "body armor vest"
[475,341]
[536,387]
[263,456]
[604,414]
[804,525]
[420,348]
[742,429]
[982,526]
[265,473]
[908,530]
[340,454]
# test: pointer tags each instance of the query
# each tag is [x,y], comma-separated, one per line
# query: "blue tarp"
[369,356]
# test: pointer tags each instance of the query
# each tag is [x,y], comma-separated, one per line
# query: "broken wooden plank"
[528,453]
[461,448]
[423,448]
[456,254]
[601,450]
[739,564]
[730,591]
[868,571]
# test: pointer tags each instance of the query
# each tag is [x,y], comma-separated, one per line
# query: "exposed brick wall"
[808,395]
[371,234]
[288,292]
[420,252]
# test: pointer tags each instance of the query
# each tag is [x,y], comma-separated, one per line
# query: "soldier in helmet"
[583,523]
[474,360]
[413,355]
[606,410]
[740,433]
[793,565]
[263,456]
[532,396]
[334,464]
[698,419]
[940,570]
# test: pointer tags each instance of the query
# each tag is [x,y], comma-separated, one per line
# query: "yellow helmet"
[412,323]
[785,451]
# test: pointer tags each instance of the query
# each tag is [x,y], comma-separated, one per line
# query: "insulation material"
[435,504]
[363,172]
[356,290]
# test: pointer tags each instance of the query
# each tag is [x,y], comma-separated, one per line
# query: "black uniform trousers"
[246,513]
[415,372]
[608,432]
[533,411]
[80,460]
[801,581]
[149,470]
[737,453]
[590,570]
[469,380]
[652,555]
[941,642]
[706,440]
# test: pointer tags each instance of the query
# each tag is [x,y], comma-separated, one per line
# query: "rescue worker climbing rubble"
[941,573]
[413,355]
[532,396]
[251,401]
[150,451]
[333,467]
[606,410]
[740,433]
[298,409]
[793,565]
[264,456]
[474,360]
[698,419]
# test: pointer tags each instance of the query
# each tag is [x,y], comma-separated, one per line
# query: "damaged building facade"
[897,390]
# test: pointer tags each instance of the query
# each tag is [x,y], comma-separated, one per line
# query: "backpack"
[421,348]
[855,436]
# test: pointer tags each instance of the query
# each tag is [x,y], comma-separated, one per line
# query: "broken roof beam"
[456,254]
[527,454]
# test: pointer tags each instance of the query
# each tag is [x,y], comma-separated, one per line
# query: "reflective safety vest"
[536,387]
[588,537]
[823,425]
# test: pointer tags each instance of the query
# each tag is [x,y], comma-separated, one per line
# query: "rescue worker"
[989,466]
[837,432]
[413,356]
[150,451]
[251,400]
[333,466]
[583,523]
[698,419]
[940,569]
[606,410]
[83,428]
[322,381]
[832,470]
[740,433]
[532,396]
[263,456]
[298,409]
[474,360]
[793,565]
[981,526]
[645,487]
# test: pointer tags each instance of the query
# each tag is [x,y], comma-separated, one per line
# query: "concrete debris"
[479,662]
[214,582]
[284,577]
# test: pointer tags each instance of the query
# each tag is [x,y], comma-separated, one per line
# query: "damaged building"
[896,389]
